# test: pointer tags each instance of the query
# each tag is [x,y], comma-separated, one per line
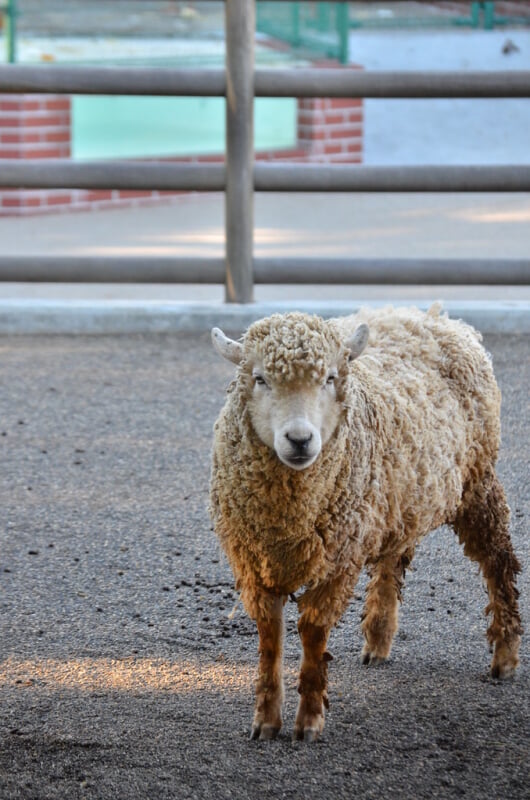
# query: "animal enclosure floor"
[122,674]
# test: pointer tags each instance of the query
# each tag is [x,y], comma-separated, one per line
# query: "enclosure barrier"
[301,82]
[164,269]
[168,176]
[240,177]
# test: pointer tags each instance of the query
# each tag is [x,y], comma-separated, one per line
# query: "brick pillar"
[33,126]
[331,130]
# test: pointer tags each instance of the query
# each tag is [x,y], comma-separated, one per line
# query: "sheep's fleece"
[415,445]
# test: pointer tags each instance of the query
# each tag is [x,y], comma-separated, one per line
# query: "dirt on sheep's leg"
[313,682]
[482,525]
[380,615]
[269,686]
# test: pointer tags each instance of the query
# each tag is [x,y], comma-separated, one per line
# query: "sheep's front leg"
[320,609]
[313,682]
[269,687]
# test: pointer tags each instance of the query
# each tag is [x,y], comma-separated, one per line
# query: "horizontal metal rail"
[354,178]
[373,84]
[171,176]
[267,82]
[169,270]
[112,81]
[111,269]
[408,271]
[125,175]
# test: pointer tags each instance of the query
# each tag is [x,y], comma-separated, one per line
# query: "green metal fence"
[492,19]
[321,29]
[472,15]
[8,15]
[316,28]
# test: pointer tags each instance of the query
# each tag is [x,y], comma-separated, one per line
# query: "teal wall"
[133,127]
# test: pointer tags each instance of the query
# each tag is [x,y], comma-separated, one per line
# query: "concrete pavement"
[429,226]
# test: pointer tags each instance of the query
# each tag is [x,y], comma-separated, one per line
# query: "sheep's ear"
[233,351]
[358,341]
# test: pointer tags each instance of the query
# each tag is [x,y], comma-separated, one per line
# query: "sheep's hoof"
[309,735]
[264,732]
[503,671]
[505,659]
[371,659]
[309,726]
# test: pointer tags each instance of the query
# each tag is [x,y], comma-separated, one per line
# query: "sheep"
[341,444]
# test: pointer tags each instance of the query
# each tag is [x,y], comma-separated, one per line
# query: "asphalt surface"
[121,673]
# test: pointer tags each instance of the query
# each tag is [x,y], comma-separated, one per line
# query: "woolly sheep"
[341,444]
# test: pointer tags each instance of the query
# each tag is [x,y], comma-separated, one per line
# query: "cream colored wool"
[420,422]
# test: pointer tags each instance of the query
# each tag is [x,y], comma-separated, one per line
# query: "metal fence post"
[239,195]
[343,29]
[11,28]
[489,16]
[295,23]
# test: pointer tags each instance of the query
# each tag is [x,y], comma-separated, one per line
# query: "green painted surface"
[129,127]
[319,28]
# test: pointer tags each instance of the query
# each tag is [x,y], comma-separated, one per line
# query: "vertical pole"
[322,22]
[343,30]
[489,16]
[295,24]
[11,12]
[239,194]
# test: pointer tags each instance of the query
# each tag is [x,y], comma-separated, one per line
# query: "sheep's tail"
[436,310]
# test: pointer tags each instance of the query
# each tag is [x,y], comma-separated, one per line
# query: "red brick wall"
[33,126]
[331,130]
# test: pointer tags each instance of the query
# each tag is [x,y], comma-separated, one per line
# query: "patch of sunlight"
[125,675]
[516,215]
[265,237]
[133,251]
[275,235]
[211,235]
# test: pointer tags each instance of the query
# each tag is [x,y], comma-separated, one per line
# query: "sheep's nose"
[300,443]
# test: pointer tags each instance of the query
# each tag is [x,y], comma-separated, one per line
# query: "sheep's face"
[293,369]
[294,419]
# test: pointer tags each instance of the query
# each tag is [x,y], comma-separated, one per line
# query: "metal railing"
[472,15]
[8,15]
[316,29]
[239,177]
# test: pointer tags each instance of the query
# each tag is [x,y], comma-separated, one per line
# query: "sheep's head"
[293,368]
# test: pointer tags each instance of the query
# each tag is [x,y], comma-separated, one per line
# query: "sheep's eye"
[260,380]
[330,380]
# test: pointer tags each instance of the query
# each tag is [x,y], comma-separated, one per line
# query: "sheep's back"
[435,405]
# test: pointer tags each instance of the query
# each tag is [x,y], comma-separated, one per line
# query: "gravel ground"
[122,675]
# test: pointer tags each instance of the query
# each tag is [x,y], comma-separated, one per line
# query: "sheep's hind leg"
[482,525]
[380,615]
[269,687]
